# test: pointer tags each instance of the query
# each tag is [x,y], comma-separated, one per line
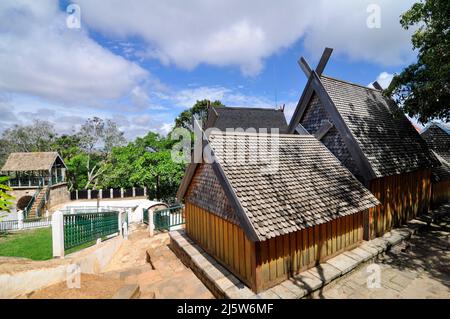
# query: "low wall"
[58,195]
[20,279]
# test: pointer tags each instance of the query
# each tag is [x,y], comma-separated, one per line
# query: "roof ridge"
[247,108]
[351,83]
[284,135]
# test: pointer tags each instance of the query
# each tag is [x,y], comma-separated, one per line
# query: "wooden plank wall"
[440,193]
[281,257]
[224,241]
[402,198]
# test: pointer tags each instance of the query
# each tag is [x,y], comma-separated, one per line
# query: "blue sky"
[141,63]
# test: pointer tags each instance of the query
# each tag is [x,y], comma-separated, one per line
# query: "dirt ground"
[92,287]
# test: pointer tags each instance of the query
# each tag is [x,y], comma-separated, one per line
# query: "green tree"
[145,162]
[423,88]
[36,137]
[97,139]
[5,198]
[199,109]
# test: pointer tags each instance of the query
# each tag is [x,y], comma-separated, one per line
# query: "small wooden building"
[269,217]
[370,136]
[37,178]
[437,136]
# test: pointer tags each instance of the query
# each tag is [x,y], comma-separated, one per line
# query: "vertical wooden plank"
[220,228]
[226,252]
[311,255]
[265,269]
[329,238]
[273,259]
[248,259]
[230,244]
[241,253]
[293,251]
[279,254]
[305,248]
[322,250]
[333,236]
[316,244]
[287,259]
[235,248]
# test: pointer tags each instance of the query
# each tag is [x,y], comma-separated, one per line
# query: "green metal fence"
[163,219]
[86,227]
[145,216]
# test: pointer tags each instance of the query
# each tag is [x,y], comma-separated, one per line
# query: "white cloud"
[384,79]
[42,57]
[244,33]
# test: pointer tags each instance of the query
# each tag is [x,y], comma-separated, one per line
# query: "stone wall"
[58,195]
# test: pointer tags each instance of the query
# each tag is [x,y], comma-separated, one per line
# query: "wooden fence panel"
[402,197]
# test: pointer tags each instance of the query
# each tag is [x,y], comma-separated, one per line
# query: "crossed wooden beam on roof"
[315,85]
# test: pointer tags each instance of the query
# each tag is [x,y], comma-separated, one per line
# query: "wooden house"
[377,143]
[437,136]
[266,217]
[38,178]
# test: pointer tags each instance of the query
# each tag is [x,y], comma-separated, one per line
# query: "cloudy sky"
[141,63]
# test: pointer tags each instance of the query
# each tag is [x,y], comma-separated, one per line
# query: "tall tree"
[423,88]
[200,109]
[36,137]
[97,138]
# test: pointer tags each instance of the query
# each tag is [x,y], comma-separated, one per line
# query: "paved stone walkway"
[417,268]
[168,278]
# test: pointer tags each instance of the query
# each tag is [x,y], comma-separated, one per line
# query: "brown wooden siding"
[440,193]
[264,264]
[402,198]
[281,257]
[224,241]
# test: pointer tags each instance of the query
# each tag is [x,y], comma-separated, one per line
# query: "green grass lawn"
[35,244]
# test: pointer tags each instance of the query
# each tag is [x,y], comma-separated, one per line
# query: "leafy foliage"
[5,198]
[200,109]
[422,88]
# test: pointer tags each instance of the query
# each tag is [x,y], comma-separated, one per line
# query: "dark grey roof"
[389,142]
[437,136]
[245,118]
[308,186]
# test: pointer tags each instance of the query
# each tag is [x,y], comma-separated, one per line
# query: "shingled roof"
[387,139]
[437,136]
[308,187]
[30,161]
[245,118]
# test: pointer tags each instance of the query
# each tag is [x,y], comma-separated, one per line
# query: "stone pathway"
[417,268]
[411,267]
[149,263]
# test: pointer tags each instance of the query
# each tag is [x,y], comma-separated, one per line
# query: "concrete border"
[306,284]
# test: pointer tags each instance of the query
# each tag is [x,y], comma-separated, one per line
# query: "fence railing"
[43,202]
[145,215]
[30,223]
[108,193]
[27,209]
[37,222]
[9,225]
[82,228]
[163,219]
